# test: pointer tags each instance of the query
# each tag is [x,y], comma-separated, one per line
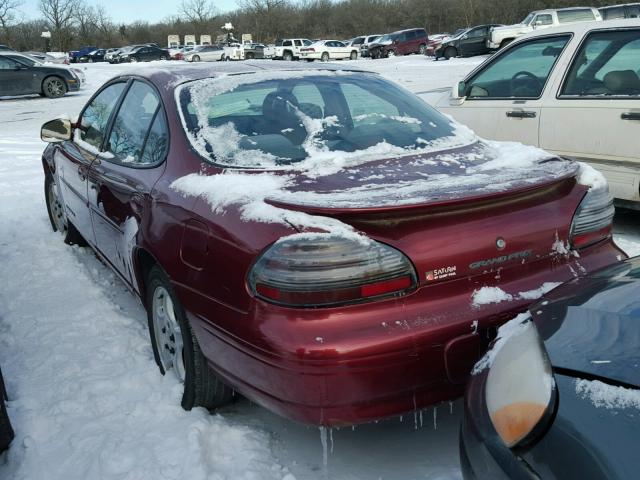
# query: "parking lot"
[84,384]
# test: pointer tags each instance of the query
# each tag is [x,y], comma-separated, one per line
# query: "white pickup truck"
[501,36]
[289,48]
[572,90]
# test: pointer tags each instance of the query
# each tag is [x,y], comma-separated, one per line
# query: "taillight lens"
[592,221]
[520,388]
[323,270]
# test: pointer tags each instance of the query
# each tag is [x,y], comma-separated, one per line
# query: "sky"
[127,11]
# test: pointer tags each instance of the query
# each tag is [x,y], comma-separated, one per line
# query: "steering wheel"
[530,79]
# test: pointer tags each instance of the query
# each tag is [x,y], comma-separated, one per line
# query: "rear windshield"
[277,118]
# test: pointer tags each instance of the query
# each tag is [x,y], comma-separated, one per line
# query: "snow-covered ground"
[87,401]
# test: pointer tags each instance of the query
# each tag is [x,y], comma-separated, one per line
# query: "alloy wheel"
[57,210]
[168,335]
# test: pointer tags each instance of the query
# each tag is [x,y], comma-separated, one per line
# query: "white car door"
[342,50]
[594,113]
[504,97]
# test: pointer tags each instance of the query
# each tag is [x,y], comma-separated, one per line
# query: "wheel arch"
[143,262]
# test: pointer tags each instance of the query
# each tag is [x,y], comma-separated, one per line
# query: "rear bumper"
[348,365]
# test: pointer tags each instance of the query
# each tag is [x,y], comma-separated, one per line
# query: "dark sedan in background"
[470,42]
[146,53]
[558,397]
[94,56]
[20,75]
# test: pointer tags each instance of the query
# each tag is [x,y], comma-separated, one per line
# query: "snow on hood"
[603,395]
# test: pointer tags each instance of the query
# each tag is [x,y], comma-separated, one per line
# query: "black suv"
[471,41]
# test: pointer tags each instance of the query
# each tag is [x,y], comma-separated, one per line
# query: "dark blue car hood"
[591,326]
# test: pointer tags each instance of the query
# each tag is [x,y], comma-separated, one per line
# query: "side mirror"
[458,93]
[537,23]
[459,90]
[464,37]
[56,131]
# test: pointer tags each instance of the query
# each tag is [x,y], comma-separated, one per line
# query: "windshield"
[276,118]
[528,19]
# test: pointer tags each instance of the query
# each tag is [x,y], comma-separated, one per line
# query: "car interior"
[277,120]
[607,65]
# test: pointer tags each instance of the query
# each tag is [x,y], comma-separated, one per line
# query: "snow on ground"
[87,400]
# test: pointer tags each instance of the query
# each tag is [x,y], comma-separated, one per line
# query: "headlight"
[520,389]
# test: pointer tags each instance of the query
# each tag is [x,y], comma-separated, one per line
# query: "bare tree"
[60,16]
[198,11]
[8,9]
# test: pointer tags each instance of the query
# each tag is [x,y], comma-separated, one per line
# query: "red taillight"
[323,270]
[593,220]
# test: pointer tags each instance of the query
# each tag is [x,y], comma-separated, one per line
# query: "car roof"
[581,28]
[182,73]
[549,10]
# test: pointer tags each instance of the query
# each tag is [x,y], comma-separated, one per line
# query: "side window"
[544,19]
[633,11]
[477,32]
[6,64]
[286,43]
[95,117]
[298,43]
[575,15]
[606,65]
[310,101]
[157,141]
[521,72]
[130,128]
[612,13]
[365,107]
[307,43]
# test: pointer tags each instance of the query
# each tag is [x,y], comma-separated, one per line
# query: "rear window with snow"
[267,119]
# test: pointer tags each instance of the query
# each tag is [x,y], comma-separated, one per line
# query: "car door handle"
[521,114]
[630,116]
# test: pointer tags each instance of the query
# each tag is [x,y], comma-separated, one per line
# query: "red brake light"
[323,270]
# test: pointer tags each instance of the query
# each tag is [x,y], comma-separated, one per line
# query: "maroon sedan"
[320,240]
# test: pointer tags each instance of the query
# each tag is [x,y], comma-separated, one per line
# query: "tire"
[90,60]
[287,56]
[354,55]
[202,388]
[133,60]
[423,49]
[324,57]
[57,215]
[6,432]
[250,56]
[450,52]
[391,53]
[195,58]
[54,87]
[162,57]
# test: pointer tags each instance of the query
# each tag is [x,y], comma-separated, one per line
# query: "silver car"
[205,53]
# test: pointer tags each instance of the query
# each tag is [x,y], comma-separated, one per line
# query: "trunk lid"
[459,213]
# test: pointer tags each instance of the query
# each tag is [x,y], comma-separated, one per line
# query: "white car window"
[520,72]
[576,15]
[544,19]
[606,65]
